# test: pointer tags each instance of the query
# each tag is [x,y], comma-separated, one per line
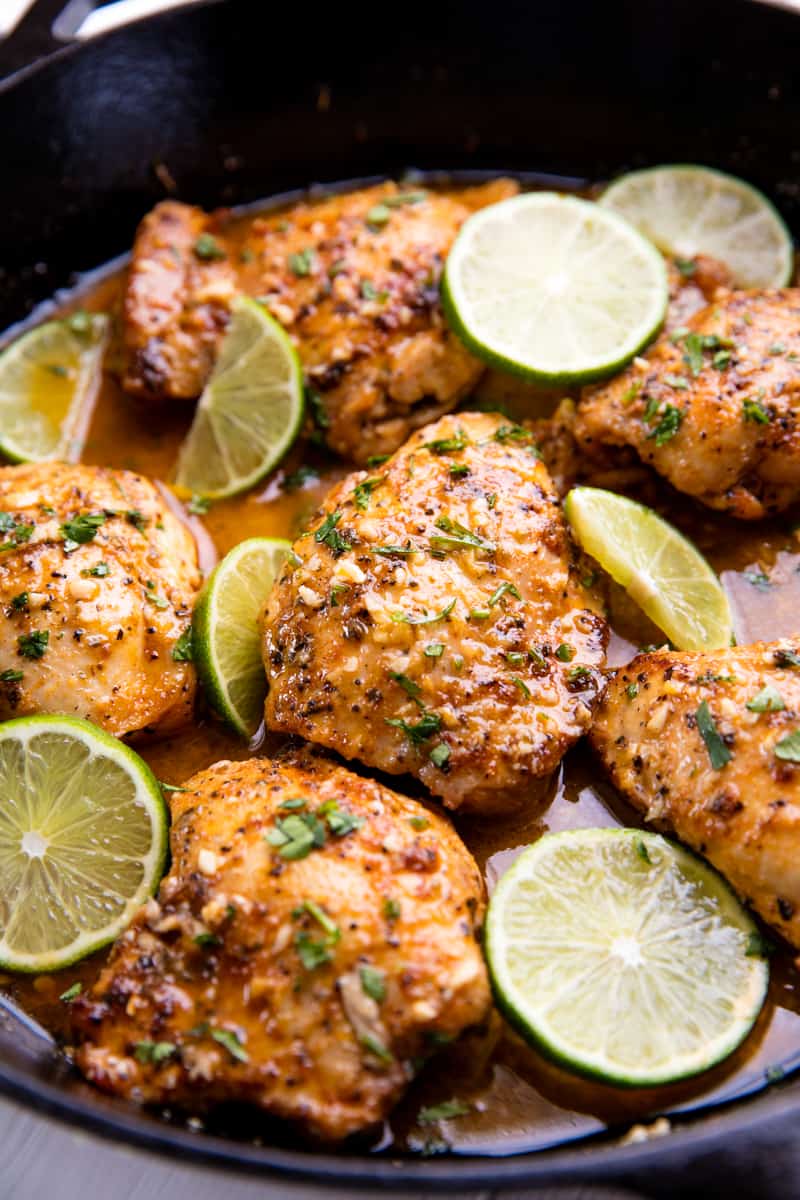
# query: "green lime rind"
[47,378]
[251,409]
[226,638]
[546,287]
[686,209]
[659,568]
[623,957]
[105,827]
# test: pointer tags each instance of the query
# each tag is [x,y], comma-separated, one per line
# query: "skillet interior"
[233,103]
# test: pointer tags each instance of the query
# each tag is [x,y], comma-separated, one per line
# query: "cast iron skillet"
[243,100]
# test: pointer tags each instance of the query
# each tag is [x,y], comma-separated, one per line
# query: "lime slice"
[687,210]
[48,379]
[623,956]
[83,840]
[250,412]
[553,288]
[226,636]
[660,570]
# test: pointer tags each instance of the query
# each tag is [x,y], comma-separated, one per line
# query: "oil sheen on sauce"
[517,1100]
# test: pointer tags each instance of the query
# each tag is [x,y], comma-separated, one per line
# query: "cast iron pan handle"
[33,37]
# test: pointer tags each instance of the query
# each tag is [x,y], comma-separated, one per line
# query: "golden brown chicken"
[314,940]
[707,746]
[355,281]
[713,407]
[435,619]
[97,583]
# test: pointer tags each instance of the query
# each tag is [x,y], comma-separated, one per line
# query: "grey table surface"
[42,1158]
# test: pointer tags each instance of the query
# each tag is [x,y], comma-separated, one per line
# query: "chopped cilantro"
[788,748]
[137,519]
[153,1052]
[426,620]
[442,1112]
[312,953]
[378,216]
[183,650]
[440,755]
[364,490]
[327,534]
[768,699]
[11,676]
[718,752]
[302,262]
[641,850]
[71,993]
[502,590]
[758,579]
[231,1043]
[434,650]
[99,570]
[299,478]
[410,688]
[458,537]
[668,425]
[428,724]
[33,645]
[753,410]
[20,601]
[372,983]
[391,909]
[448,445]
[207,247]
[198,506]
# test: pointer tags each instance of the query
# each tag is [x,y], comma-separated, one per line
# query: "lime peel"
[83,828]
[226,637]
[659,568]
[601,941]
[250,412]
[553,288]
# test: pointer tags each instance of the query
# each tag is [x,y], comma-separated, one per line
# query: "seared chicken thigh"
[314,940]
[97,583]
[355,281]
[715,407]
[435,619]
[697,742]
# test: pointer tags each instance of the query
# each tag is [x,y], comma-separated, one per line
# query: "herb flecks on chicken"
[353,278]
[707,746]
[314,941]
[439,622]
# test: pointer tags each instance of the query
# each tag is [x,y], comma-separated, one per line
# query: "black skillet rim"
[590,1160]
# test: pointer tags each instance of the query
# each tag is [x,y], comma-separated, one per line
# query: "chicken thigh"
[436,620]
[98,579]
[714,406]
[314,941]
[355,281]
[707,746]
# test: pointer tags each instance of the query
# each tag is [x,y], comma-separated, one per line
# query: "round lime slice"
[660,570]
[553,288]
[48,380]
[250,411]
[226,636]
[688,210]
[623,956]
[83,840]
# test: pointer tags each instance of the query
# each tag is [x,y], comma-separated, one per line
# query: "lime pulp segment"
[226,635]
[250,411]
[659,568]
[83,840]
[687,210]
[623,956]
[553,288]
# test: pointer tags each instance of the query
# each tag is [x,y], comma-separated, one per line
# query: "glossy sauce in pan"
[518,1101]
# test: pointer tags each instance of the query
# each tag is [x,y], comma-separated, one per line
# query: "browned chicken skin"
[355,281]
[716,410]
[743,815]
[435,620]
[307,985]
[98,580]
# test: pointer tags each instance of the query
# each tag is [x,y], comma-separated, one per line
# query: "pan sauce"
[518,1101]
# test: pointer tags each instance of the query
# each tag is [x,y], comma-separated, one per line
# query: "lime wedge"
[553,288]
[250,412]
[623,956]
[688,210]
[226,636]
[83,840]
[48,379]
[660,570]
